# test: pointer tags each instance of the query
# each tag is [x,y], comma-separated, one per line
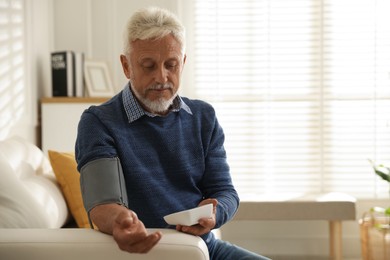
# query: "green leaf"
[383,175]
[381,170]
[378,210]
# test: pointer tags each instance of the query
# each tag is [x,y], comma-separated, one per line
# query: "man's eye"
[148,65]
[171,65]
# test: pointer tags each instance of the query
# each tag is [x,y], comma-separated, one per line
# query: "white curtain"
[301,88]
[12,64]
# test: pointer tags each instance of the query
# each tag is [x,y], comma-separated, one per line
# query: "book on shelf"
[62,70]
[67,74]
[79,74]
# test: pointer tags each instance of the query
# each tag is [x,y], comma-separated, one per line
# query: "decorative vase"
[375,236]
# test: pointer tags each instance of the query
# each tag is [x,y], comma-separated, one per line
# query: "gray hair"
[152,23]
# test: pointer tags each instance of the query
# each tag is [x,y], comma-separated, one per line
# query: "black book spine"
[62,74]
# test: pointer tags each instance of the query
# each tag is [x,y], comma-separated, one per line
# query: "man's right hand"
[123,224]
[130,234]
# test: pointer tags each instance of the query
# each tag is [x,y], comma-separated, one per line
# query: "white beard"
[160,105]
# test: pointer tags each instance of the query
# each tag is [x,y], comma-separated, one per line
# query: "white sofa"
[33,213]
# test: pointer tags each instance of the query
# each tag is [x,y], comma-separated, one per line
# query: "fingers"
[212,201]
[208,223]
[131,235]
[196,230]
[146,244]
[143,245]
[126,219]
[208,201]
[204,225]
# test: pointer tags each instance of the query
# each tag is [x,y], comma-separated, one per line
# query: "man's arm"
[217,182]
[123,224]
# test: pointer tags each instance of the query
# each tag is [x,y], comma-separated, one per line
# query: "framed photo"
[97,79]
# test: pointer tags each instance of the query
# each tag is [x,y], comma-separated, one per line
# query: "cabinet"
[59,119]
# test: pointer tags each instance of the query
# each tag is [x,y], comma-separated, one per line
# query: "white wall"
[95,27]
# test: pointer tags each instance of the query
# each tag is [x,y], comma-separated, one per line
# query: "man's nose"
[161,75]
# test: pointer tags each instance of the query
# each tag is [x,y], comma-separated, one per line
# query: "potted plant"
[375,224]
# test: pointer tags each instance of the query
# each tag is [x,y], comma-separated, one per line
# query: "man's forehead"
[167,43]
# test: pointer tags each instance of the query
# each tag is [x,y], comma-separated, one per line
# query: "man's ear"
[125,66]
[184,62]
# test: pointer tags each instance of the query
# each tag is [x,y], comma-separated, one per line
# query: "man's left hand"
[204,225]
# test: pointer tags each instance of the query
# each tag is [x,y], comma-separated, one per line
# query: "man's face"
[154,72]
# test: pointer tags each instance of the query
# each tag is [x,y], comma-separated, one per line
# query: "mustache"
[160,86]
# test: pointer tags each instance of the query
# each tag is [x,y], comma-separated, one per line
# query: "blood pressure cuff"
[102,182]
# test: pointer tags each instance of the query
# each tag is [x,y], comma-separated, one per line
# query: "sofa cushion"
[82,243]
[29,194]
[65,168]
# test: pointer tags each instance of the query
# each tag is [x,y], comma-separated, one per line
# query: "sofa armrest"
[91,244]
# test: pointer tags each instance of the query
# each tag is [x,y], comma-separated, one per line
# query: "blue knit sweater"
[170,163]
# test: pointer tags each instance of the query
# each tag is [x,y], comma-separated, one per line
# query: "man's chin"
[158,106]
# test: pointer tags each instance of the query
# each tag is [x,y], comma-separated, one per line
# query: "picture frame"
[98,79]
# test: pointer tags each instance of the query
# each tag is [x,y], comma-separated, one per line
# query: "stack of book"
[67,69]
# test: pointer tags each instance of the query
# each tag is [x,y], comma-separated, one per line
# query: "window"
[302,90]
[12,62]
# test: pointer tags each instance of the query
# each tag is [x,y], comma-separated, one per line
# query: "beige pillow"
[65,168]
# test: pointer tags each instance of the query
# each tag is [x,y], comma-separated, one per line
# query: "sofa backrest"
[29,194]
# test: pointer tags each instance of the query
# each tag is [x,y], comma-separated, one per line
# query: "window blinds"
[302,90]
[12,64]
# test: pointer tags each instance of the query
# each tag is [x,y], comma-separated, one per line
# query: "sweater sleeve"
[217,182]
[93,140]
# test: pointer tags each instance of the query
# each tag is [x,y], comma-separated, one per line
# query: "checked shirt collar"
[134,110]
